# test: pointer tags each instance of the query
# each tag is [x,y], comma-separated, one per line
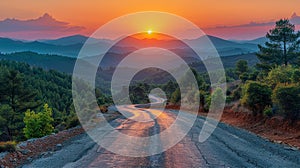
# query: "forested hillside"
[45,61]
[24,87]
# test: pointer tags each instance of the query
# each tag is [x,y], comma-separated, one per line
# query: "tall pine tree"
[17,99]
[282,47]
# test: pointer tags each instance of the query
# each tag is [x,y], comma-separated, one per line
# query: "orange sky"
[205,13]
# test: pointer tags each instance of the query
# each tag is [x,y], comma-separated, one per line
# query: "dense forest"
[26,88]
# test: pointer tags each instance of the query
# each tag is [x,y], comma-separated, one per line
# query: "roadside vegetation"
[273,86]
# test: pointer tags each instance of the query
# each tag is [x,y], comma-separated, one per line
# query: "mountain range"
[71,45]
[66,64]
[61,54]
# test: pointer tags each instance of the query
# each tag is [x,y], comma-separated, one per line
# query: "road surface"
[227,147]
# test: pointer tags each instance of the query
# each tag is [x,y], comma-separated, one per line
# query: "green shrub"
[296,76]
[287,97]
[256,96]
[268,111]
[9,146]
[237,93]
[207,101]
[217,99]
[241,67]
[229,99]
[176,96]
[38,124]
[244,77]
[280,74]
[73,122]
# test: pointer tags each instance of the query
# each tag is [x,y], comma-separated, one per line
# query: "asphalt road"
[226,147]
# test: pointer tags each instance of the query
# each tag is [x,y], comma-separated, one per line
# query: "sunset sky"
[211,16]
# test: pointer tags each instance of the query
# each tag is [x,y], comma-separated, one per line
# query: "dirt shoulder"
[275,129]
[35,148]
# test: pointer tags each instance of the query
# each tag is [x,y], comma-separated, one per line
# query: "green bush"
[9,146]
[38,124]
[207,103]
[256,96]
[280,74]
[237,93]
[287,97]
[176,96]
[229,99]
[73,122]
[268,111]
[217,99]
[296,76]
[244,77]
[241,67]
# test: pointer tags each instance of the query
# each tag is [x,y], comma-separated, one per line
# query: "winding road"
[226,147]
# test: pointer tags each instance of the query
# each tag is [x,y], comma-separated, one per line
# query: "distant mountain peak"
[294,15]
[46,25]
[48,18]
[46,15]
[295,19]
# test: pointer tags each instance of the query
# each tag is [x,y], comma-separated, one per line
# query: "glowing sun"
[149,31]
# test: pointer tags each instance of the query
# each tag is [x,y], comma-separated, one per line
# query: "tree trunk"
[9,133]
[284,51]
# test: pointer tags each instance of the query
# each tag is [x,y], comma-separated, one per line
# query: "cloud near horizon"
[43,27]
[295,19]
[247,31]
